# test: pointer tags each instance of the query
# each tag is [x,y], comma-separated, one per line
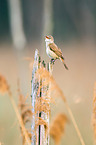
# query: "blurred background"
[23,25]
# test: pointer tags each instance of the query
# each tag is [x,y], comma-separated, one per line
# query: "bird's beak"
[47,37]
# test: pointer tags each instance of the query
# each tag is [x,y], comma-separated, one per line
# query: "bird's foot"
[52,61]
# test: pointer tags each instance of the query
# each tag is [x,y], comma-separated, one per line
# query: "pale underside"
[51,54]
[52,50]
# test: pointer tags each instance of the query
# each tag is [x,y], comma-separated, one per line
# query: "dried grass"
[4,88]
[57,92]
[26,113]
[40,121]
[23,136]
[57,127]
[94,113]
[42,105]
[25,109]
[43,73]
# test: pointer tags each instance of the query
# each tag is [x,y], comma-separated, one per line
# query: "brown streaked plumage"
[56,50]
[53,51]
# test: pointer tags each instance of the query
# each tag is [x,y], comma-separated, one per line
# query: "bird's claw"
[52,61]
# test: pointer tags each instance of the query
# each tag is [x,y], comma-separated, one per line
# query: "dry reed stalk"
[34,95]
[57,127]
[49,78]
[26,113]
[4,88]
[29,135]
[42,105]
[25,108]
[58,92]
[94,112]
[41,121]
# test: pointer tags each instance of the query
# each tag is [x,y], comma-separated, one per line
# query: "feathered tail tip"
[62,60]
[65,66]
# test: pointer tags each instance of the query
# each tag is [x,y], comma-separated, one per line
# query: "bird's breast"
[50,53]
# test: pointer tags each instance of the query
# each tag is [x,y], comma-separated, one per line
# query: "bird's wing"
[56,50]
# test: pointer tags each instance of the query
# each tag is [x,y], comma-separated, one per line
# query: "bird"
[53,51]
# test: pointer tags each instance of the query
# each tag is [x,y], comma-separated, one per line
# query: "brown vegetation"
[94,112]
[57,127]
[4,88]
[26,113]
[48,87]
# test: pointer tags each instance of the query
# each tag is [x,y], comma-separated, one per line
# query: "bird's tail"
[62,60]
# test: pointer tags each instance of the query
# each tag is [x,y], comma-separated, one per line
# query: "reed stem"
[20,120]
[73,121]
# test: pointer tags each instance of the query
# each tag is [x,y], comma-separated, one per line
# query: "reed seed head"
[57,127]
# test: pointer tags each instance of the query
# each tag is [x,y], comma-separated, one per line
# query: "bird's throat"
[47,43]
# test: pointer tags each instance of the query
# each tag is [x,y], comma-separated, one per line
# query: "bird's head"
[49,39]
